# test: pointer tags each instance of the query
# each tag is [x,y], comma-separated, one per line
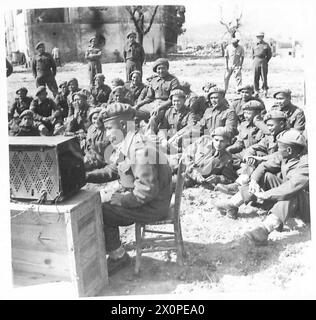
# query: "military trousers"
[260,67]
[132,66]
[296,205]
[49,81]
[236,70]
[115,216]
[94,68]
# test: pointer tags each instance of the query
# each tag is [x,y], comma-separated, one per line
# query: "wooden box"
[63,242]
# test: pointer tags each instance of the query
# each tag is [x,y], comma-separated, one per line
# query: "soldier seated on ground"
[248,134]
[246,93]
[278,185]
[258,152]
[295,115]
[117,82]
[73,87]
[196,103]
[145,185]
[100,92]
[157,100]
[207,160]
[137,89]
[22,102]
[61,100]
[26,126]
[96,141]
[45,111]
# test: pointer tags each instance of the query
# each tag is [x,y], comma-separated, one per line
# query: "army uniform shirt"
[101,94]
[19,106]
[160,88]
[43,65]
[262,50]
[43,108]
[134,52]
[61,102]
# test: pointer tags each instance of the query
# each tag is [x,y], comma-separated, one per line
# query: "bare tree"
[231,26]
[137,15]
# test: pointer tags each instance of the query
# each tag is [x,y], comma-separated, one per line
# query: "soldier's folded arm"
[146,185]
[106,174]
[273,165]
[300,121]
[232,122]
[298,181]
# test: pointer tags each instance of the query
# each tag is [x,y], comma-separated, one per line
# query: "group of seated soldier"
[222,143]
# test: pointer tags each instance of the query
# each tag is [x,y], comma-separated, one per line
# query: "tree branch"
[151,21]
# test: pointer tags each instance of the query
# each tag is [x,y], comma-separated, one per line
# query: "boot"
[115,265]
[259,236]
[230,206]
[231,188]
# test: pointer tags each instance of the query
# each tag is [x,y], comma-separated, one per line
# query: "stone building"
[71,28]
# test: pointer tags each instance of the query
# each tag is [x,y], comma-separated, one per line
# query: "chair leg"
[138,237]
[179,242]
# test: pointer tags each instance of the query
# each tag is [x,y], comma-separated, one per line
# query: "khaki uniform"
[237,105]
[145,184]
[100,95]
[19,106]
[95,65]
[137,93]
[201,158]
[134,57]
[44,71]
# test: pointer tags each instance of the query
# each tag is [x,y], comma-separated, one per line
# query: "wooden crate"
[63,241]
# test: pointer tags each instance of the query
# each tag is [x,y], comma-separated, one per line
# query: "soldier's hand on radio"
[116,199]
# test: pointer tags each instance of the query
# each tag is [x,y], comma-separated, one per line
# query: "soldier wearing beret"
[157,100]
[100,92]
[26,125]
[61,100]
[134,55]
[248,134]
[125,93]
[45,111]
[276,121]
[218,113]
[234,58]
[44,69]
[280,184]
[93,55]
[137,89]
[145,185]
[207,160]
[261,54]
[245,94]
[21,103]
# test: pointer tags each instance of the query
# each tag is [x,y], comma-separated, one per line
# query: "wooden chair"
[154,244]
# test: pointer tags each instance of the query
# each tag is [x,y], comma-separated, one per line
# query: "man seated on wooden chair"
[145,178]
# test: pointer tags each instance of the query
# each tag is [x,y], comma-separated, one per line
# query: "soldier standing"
[234,57]
[261,54]
[44,69]
[93,55]
[134,55]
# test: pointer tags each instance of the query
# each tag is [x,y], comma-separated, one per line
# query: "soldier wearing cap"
[46,113]
[100,92]
[258,152]
[245,94]
[261,54]
[234,59]
[44,69]
[280,184]
[26,126]
[157,100]
[207,160]
[134,55]
[218,113]
[93,55]
[22,102]
[145,185]
[137,89]
[61,100]
[124,92]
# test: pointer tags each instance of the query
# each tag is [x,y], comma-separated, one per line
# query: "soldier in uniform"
[248,134]
[261,54]
[93,55]
[234,58]
[44,69]
[207,160]
[138,90]
[100,92]
[134,55]
[280,184]
[21,103]
[45,111]
[126,95]
[157,100]
[246,94]
[146,186]
[218,113]
[61,100]
[26,126]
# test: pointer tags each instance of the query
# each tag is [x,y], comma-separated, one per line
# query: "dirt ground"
[218,259]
